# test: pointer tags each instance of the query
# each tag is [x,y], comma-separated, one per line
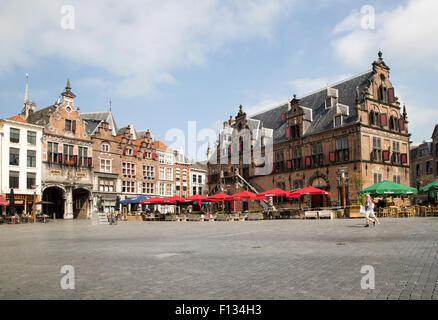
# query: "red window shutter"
[90,162]
[402,124]
[60,158]
[404,158]
[283,116]
[287,132]
[332,156]
[124,151]
[73,125]
[154,156]
[289,164]
[308,161]
[383,119]
[385,155]
[135,152]
[391,96]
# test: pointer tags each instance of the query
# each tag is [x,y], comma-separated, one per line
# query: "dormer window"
[328,102]
[338,121]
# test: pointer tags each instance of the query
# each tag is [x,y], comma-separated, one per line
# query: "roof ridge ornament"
[67,92]
[380,62]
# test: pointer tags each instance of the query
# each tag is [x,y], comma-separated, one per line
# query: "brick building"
[67,157]
[354,128]
[424,163]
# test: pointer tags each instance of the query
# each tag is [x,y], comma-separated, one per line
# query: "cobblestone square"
[276,259]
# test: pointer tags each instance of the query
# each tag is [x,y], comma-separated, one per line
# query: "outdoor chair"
[325,214]
[311,214]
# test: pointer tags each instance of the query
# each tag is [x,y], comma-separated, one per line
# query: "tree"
[425,179]
[357,181]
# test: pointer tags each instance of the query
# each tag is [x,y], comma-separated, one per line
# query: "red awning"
[174,199]
[244,195]
[308,191]
[196,198]
[155,200]
[3,202]
[275,193]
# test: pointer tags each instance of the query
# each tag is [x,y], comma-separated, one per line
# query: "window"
[419,168]
[194,191]
[148,171]
[200,190]
[298,184]
[328,102]
[178,190]
[105,165]
[279,161]
[338,121]
[396,179]
[128,169]
[199,179]
[423,152]
[194,178]
[31,180]
[31,159]
[161,159]
[428,167]
[184,191]
[377,149]
[68,125]
[148,188]
[396,158]
[184,175]
[342,150]
[294,132]
[317,157]
[177,174]
[14,156]
[162,189]
[68,152]
[169,188]
[296,158]
[162,173]
[14,180]
[129,152]
[169,174]
[52,150]
[128,186]
[14,135]
[31,138]
[375,118]
[83,156]
[105,147]
[106,185]
[377,178]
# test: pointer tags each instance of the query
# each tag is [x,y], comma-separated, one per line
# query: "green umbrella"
[388,188]
[430,187]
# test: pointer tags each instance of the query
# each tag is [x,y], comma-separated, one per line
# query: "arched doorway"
[80,203]
[319,181]
[56,196]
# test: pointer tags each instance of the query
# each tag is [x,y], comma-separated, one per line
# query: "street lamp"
[34,187]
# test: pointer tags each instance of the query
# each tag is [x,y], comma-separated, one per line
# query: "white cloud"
[138,43]
[264,105]
[407,34]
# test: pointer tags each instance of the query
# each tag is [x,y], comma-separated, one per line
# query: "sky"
[166,65]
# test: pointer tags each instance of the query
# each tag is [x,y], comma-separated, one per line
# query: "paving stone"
[276,259]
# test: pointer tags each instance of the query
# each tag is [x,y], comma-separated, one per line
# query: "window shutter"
[287,132]
[383,119]
[135,152]
[391,96]
[308,161]
[60,158]
[124,151]
[154,156]
[73,125]
[385,155]
[75,160]
[402,124]
[90,162]
[332,156]
[283,116]
[289,164]
[404,158]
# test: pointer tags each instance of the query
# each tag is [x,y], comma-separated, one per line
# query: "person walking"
[369,207]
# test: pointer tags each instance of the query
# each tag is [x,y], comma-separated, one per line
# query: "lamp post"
[34,187]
